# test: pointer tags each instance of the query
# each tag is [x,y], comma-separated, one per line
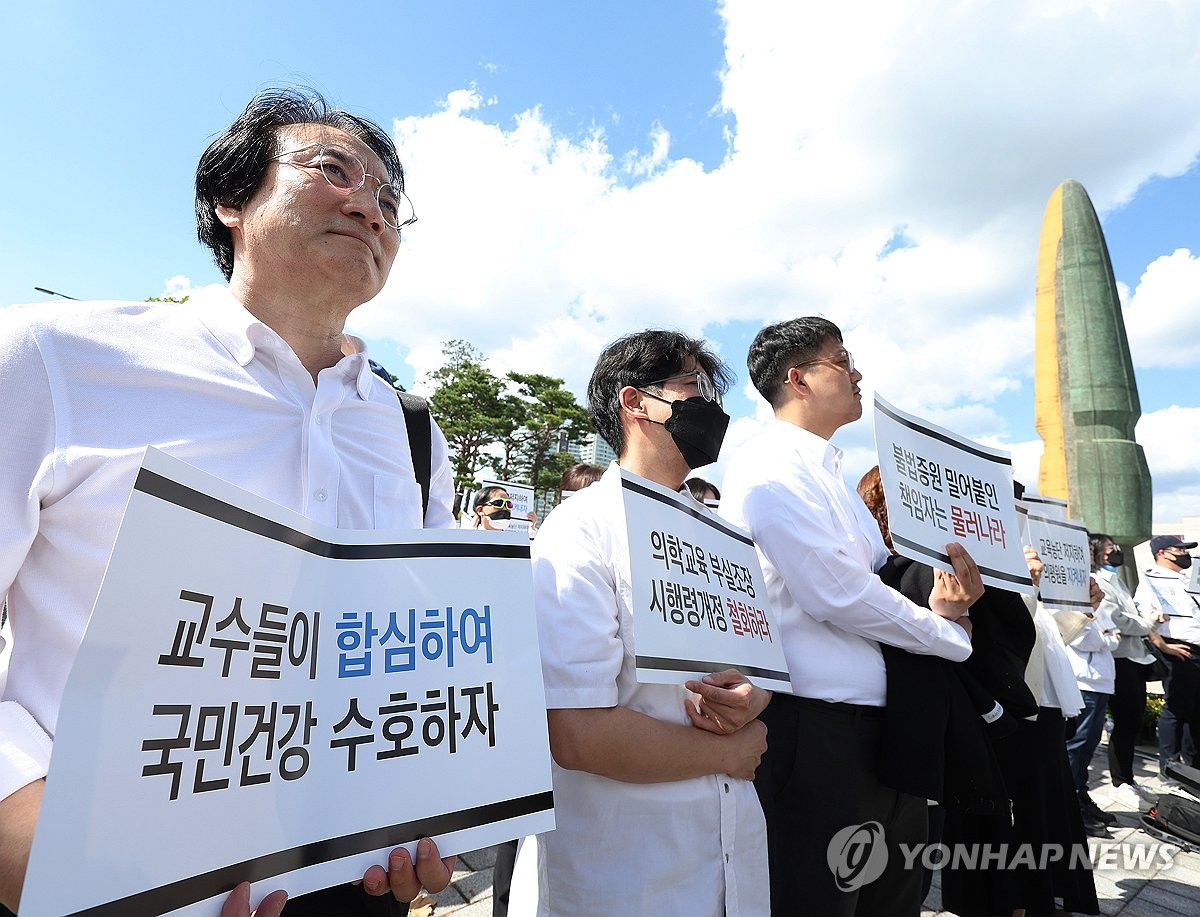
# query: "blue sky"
[584,169]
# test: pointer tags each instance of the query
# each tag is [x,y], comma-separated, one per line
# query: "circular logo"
[857,855]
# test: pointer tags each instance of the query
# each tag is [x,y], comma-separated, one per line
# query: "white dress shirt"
[1161,591]
[820,547]
[689,847]
[87,386]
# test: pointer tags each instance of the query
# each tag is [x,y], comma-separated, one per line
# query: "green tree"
[547,416]
[470,407]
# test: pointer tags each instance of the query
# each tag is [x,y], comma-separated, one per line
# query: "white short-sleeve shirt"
[688,847]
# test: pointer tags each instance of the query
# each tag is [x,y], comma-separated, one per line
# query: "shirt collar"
[814,448]
[242,334]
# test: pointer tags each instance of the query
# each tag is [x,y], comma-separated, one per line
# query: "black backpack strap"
[420,442]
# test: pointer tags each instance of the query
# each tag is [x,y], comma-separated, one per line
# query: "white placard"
[1062,544]
[1046,507]
[699,598]
[261,697]
[1193,581]
[941,487]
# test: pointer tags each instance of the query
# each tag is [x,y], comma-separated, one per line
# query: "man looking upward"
[302,206]
[820,548]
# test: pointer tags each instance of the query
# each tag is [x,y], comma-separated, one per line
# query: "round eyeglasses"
[345,172]
[704,384]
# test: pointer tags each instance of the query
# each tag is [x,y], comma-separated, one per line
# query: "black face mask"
[1115,557]
[1183,562]
[697,427]
[500,514]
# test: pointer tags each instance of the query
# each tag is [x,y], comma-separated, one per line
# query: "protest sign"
[260,697]
[1066,557]
[1192,583]
[1046,507]
[699,599]
[941,487]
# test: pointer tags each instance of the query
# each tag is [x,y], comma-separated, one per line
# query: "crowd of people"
[910,685]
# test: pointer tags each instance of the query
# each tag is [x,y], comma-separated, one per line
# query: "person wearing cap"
[1162,591]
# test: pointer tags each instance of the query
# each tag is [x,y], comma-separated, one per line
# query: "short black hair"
[640,359]
[232,167]
[781,346]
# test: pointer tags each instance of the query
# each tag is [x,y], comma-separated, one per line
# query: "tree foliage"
[470,407]
[548,417]
[526,417]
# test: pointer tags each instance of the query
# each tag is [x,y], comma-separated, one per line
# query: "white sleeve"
[575,598]
[27,418]
[797,534]
[439,514]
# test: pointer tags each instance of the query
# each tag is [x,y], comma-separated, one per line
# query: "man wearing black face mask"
[653,796]
[820,548]
[1162,591]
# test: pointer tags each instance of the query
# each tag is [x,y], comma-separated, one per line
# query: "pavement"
[1168,887]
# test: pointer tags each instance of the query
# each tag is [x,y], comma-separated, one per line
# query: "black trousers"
[816,779]
[1128,706]
[347,900]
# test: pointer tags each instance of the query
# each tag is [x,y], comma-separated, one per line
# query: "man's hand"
[1036,567]
[1095,593]
[953,593]
[238,903]
[18,818]
[1178,650]
[728,701]
[745,750]
[400,878]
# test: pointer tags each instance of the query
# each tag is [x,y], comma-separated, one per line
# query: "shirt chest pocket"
[397,502]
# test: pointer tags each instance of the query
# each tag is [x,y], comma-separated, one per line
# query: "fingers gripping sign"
[954,593]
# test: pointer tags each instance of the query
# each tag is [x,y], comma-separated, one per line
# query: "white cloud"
[950,122]
[1162,309]
[1168,438]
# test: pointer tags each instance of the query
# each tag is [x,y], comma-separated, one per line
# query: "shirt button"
[727,858]
[727,788]
[321,495]
[320,419]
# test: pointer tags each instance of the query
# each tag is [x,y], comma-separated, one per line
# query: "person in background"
[1162,592]
[1095,672]
[491,510]
[577,477]
[705,492]
[1132,661]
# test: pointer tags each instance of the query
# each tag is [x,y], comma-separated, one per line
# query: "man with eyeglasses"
[654,807]
[303,207]
[820,548]
[1162,593]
